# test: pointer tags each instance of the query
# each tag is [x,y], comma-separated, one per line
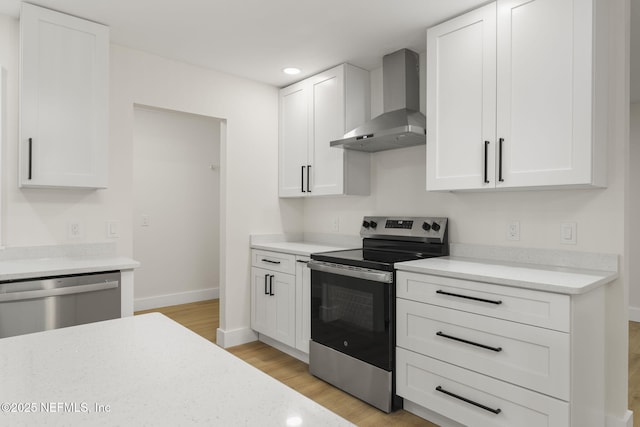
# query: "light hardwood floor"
[202,318]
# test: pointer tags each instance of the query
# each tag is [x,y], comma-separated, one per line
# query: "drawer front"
[274,261]
[544,309]
[529,356]
[441,387]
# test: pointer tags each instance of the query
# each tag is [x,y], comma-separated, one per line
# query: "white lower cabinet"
[484,354]
[272,304]
[281,298]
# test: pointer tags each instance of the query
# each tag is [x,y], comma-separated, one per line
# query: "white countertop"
[148,370]
[529,276]
[57,266]
[297,248]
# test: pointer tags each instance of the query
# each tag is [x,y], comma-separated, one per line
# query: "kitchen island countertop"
[141,370]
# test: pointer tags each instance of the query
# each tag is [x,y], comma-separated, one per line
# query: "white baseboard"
[231,338]
[175,299]
[626,421]
[634,314]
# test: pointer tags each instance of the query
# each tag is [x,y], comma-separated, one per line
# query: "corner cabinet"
[64,100]
[314,112]
[516,96]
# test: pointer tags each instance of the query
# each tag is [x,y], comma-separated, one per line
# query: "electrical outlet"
[513,230]
[145,221]
[74,230]
[335,224]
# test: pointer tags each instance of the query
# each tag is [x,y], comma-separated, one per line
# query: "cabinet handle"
[302,179]
[501,141]
[266,277]
[464,399]
[488,347]
[270,261]
[308,179]
[30,158]
[271,285]
[302,261]
[498,302]
[486,156]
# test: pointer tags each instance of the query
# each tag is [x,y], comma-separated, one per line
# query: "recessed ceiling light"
[291,70]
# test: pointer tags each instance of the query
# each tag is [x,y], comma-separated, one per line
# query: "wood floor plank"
[202,318]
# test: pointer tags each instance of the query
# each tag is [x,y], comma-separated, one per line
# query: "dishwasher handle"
[67,290]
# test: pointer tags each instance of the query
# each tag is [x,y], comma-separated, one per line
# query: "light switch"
[112,229]
[568,232]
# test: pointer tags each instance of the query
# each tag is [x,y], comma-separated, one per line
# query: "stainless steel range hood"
[402,124]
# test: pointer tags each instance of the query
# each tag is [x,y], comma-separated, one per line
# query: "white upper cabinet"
[64,100]
[514,97]
[314,112]
[461,100]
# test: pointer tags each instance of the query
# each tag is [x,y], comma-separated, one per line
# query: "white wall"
[398,188]
[177,191]
[248,155]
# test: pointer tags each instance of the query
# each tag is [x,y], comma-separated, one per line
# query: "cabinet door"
[545,92]
[294,140]
[461,101]
[273,304]
[64,100]
[260,300]
[303,304]
[282,306]
[327,106]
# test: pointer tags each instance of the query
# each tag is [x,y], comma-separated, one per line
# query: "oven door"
[351,311]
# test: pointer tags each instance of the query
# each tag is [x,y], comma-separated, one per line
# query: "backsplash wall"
[398,180]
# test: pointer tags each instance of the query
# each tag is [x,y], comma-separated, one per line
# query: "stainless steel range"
[353,305]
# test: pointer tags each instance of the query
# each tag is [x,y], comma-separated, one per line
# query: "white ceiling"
[256,39]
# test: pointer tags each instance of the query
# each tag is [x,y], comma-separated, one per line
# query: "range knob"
[435,226]
[366,224]
[373,224]
[426,226]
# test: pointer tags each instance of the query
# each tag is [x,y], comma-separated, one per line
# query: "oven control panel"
[412,228]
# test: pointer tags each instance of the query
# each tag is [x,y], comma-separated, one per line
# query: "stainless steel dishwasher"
[33,305]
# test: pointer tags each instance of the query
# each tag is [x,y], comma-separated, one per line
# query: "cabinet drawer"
[427,381]
[274,261]
[544,309]
[531,357]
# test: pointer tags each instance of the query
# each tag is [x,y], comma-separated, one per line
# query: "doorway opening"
[176,208]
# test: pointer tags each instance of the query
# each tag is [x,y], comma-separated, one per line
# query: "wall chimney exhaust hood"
[402,124]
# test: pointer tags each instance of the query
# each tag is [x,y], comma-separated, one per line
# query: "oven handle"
[351,271]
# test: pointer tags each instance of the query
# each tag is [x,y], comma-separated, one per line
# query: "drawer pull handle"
[468,297]
[488,347]
[464,399]
[270,261]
